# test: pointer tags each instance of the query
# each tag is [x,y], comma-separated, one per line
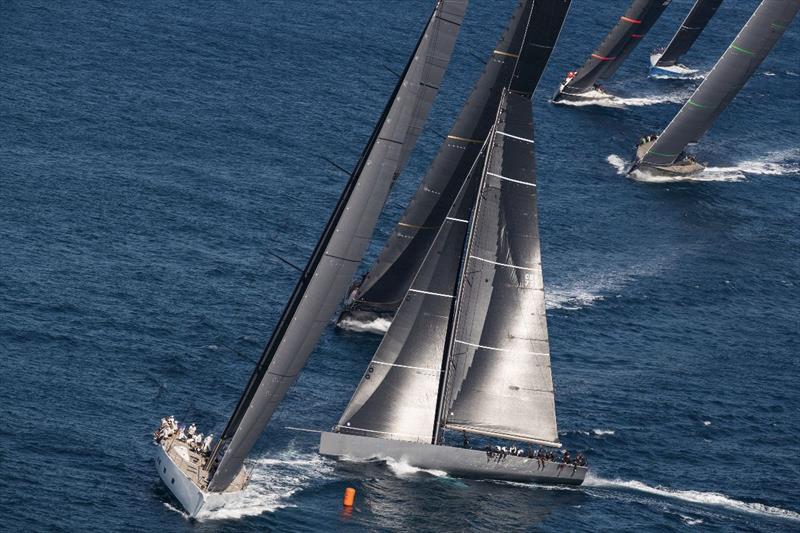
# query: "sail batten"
[498,379]
[761,32]
[345,237]
[518,60]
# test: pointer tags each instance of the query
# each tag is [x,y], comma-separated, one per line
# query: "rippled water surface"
[151,153]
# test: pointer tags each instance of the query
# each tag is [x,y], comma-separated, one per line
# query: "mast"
[497,379]
[621,38]
[694,24]
[339,251]
[764,28]
[518,60]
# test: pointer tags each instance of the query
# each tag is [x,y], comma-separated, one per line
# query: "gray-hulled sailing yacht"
[201,480]
[665,153]
[664,61]
[517,61]
[584,85]
[468,349]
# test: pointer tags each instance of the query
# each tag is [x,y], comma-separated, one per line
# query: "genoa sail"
[518,60]
[497,379]
[764,28]
[397,396]
[698,18]
[615,47]
[333,263]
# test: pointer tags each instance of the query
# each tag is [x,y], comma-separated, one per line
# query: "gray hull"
[458,462]
[685,166]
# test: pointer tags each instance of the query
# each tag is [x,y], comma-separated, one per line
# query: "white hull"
[184,480]
[675,71]
[459,462]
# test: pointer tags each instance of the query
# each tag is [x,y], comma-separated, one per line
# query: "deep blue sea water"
[151,153]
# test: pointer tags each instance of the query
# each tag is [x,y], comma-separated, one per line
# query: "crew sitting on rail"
[192,430]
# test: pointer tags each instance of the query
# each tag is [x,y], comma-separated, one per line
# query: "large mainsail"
[335,259]
[498,380]
[734,68]
[518,61]
[690,30]
[612,50]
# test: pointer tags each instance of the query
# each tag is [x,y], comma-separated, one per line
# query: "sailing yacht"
[468,350]
[665,153]
[517,61]
[204,480]
[584,85]
[664,61]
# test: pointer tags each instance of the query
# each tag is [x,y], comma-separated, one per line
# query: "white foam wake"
[377,325]
[613,101]
[274,480]
[403,469]
[572,298]
[694,496]
[779,163]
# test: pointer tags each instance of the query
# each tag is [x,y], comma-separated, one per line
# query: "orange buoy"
[349,497]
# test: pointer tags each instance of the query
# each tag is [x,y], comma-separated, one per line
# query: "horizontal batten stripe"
[695,104]
[742,50]
[632,21]
[501,264]
[637,35]
[458,220]
[508,54]
[431,293]
[418,437]
[463,139]
[434,370]
[601,58]
[498,349]
[504,134]
[660,154]
[511,180]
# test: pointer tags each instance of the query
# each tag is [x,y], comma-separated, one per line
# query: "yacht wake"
[273,481]
[402,469]
[614,101]
[378,325]
[694,496]
[780,163]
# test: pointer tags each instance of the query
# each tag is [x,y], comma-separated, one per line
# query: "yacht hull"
[190,496]
[458,462]
[678,72]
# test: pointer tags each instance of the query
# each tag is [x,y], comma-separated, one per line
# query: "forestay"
[498,380]
[690,30]
[721,85]
[518,60]
[333,263]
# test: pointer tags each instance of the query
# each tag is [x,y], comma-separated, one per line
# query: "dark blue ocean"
[152,153]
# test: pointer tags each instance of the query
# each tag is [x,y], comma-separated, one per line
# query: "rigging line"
[332,163]
[396,75]
[285,261]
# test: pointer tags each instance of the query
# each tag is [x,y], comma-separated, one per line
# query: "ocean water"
[151,153]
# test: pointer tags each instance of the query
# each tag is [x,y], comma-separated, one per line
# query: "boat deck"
[192,464]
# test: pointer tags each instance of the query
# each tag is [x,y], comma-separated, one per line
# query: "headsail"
[340,249]
[690,30]
[612,50]
[734,68]
[518,60]
[397,396]
[498,380]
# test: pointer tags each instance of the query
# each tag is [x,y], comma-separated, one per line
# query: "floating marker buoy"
[349,497]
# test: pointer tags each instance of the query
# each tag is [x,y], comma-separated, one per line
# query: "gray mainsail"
[518,60]
[734,68]
[397,396]
[619,39]
[497,379]
[690,30]
[336,256]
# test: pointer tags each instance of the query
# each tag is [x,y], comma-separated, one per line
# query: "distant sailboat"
[584,85]
[517,62]
[664,61]
[468,350]
[665,153]
[200,480]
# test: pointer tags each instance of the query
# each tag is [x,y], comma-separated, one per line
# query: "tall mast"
[695,22]
[339,251]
